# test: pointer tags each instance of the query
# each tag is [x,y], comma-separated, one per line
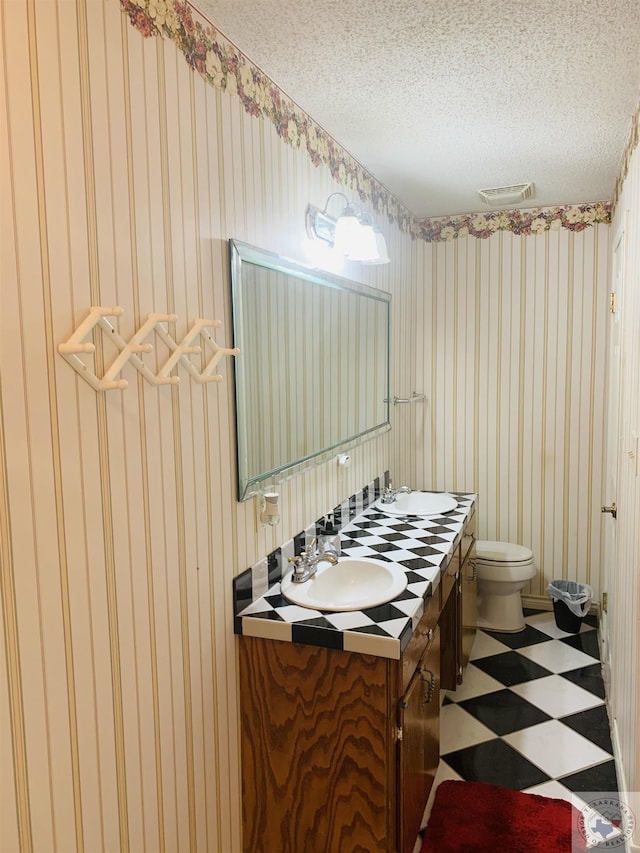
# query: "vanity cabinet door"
[469,595]
[451,625]
[419,743]
[449,577]
[317,749]
[422,636]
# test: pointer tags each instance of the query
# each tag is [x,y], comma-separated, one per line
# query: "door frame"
[612,445]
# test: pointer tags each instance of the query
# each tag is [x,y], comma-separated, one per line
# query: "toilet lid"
[502,552]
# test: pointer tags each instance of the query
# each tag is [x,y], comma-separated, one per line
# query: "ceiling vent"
[497,196]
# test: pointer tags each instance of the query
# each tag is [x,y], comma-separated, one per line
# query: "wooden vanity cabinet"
[318,749]
[338,749]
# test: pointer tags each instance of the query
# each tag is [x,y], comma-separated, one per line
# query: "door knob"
[612,509]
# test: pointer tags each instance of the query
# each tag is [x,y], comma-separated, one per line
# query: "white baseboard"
[537,602]
[633,844]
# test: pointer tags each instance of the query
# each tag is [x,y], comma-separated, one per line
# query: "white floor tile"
[556,696]
[476,682]
[484,646]
[557,656]
[556,749]
[459,729]
[552,789]
[546,623]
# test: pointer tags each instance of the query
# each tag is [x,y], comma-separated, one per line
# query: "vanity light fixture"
[353,234]
[382,256]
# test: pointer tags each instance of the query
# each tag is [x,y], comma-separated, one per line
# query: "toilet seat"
[490,551]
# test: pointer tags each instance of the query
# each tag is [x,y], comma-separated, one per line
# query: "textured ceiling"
[441,98]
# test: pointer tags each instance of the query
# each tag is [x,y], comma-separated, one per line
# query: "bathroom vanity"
[340,728]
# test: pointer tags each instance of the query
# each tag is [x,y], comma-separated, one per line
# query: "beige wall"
[510,344]
[123,176]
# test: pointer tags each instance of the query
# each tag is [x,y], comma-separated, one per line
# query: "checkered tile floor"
[531,714]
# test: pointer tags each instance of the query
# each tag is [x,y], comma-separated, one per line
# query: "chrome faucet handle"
[300,565]
[305,565]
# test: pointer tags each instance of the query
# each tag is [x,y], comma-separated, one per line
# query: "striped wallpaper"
[123,176]
[509,345]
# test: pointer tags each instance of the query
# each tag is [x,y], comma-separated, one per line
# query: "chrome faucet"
[389,495]
[306,564]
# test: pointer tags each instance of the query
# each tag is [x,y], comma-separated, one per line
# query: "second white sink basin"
[419,503]
[354,583]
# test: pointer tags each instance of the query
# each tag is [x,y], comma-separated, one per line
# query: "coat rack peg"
[186,347]
[207,374]
[151,324]
[127,351]
[76,344]
[177,352]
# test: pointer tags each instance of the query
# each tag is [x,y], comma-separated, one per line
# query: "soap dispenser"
[329,538]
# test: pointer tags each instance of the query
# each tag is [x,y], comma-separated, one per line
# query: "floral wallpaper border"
[208,52]
[632,144]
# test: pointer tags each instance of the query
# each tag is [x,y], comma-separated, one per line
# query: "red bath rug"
[471,817]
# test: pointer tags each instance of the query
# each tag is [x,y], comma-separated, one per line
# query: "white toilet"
[502,569]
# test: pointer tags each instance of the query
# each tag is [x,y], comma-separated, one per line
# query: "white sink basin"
[419,503]
[354,583]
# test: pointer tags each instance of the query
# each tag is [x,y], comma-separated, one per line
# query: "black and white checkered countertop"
[422,546]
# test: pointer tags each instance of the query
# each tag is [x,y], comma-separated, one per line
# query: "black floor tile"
[602,777]
[592,724]
[586,641]
[519,639]
[495,763]
[511,668]
[587,677]
[504,711]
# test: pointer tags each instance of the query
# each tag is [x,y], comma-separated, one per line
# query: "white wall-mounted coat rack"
[77,345]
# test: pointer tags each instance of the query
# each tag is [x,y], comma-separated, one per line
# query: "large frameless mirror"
[312,377]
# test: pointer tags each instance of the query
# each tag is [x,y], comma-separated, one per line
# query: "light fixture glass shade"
[353,234]
[363,246]
[382,255]
[346,233]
